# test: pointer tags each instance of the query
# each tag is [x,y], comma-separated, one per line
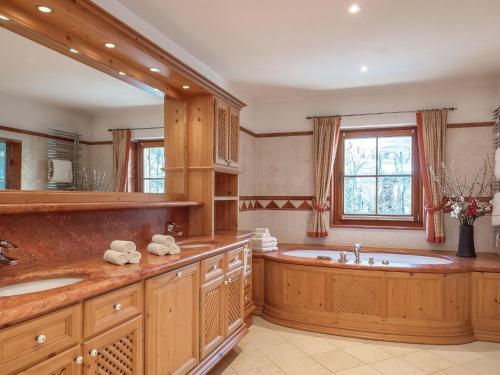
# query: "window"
[376,179]
[151,167]
[10,164]
[3,165]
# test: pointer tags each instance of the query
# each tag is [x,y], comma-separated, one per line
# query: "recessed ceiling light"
[185,87]
[354,8]
[109,45]
[72,50]
[44,9]
[364,69]
[156,90]
[4,18]
[121,73]
[156,70]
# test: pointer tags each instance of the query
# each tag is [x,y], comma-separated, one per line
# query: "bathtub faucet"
[357,253]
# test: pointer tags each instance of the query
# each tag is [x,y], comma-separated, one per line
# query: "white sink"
[37,286]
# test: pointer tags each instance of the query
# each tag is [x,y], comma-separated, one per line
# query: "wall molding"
[302,133]
[276,202]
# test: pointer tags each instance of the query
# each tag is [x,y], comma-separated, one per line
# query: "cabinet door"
[172,306]
[234,300]
[116,351]
[212,305]
[221,128]
[66,363]
[234,137]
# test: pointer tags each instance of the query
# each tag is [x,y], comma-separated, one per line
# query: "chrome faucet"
[4,245]
[357,253]
[173,229]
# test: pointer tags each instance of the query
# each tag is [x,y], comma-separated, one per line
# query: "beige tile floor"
[270,349]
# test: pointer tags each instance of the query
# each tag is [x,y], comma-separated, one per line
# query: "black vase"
[466,241]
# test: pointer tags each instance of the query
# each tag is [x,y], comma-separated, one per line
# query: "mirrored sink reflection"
[37,286]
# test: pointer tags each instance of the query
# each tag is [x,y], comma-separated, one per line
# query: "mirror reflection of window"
[153,164]
[3,165]
[10,164]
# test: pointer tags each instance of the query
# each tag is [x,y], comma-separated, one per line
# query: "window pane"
[153,162]
[359,195]
[154,186]
[3,164]
[360,156]
[394,155]
[394,196]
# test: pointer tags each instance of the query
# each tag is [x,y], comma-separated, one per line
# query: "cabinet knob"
[117,307]
[93,353]
[230,280]
[79,360]
[225,282]
[40,339]
[179,274]
[214,267]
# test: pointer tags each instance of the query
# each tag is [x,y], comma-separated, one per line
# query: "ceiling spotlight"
[3,18]
[44,9]
[156,90]
[364,69]
[109,45]
[185,87]
[156,70]
[121,73]
[354,8]
[72,50]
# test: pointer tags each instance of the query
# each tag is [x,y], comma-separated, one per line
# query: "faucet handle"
[358,246]
[7,245]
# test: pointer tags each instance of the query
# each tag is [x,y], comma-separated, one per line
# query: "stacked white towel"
[263,242]
[495,215]
[163,245]
[122,252]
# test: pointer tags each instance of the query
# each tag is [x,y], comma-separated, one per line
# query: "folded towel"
[115,257]
[158,249]
[497,164]
[163,239]
[261,235]
[173,249]
[262,230]
[266,245]
[134,257]
[495,215]
[60,171]
[123,246]
[264,240]
[266,250]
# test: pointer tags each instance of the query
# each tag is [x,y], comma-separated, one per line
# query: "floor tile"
[455,353]
[362,370]
[396,366]
[427,361]
[281,352]
[368,353]
[249,359]
[269,369]
[314,345]
[337,360]
[303,366]
[398,349]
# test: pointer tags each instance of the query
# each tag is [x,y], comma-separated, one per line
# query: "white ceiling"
[270,48]
[29,70]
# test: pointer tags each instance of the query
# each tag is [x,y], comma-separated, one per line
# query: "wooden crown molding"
[83,25]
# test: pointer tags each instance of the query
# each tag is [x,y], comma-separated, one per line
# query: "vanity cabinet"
[234,300]
[172,321]
[212,323]
[227,134]
[66,363]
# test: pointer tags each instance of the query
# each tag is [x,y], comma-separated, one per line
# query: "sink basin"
[37,286]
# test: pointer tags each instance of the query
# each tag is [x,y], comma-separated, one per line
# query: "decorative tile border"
[275,202]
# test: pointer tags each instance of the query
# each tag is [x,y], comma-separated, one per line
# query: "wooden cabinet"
[227,135]
[234,300]
[172,321]
[212,317]
[116,351]
[234,137]
[486,305]
[69,362]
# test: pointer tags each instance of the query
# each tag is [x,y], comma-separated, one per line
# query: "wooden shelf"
[89,206]
[226,198]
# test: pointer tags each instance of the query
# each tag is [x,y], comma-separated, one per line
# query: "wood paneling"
[222,131]
[176,147]
[486,305]
[234,301]
[212,306]
[61,364]
[258,283]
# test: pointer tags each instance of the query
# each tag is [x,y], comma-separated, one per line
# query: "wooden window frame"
[140,159]
[337,187]
[14,165]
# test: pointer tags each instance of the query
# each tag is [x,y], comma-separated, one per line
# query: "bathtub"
[395,260]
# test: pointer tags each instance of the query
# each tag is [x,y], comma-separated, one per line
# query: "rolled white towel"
[163,239]
[497,164]
[134,257]
[264,240]
[262,230]
[266,250]
[173,249]
[261,235]
[158,249]
[495,215]
[116,257]
[123,246]
[265,245]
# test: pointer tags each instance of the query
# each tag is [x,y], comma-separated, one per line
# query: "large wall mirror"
[56,122]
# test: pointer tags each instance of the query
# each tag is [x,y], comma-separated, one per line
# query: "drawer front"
[110,309]
[67,363]
[212,268]
[26,343]
[234,259]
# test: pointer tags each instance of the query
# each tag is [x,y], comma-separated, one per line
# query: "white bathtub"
[395,260]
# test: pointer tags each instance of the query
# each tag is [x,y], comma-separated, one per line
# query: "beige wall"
[248,178]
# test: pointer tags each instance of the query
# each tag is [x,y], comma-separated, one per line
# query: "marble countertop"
[485,262]
[99,276]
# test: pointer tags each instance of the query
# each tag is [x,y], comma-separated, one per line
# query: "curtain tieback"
[318,207]
[431,209]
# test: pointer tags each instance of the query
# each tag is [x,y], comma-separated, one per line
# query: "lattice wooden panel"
[234,300]
[211,313]
[234,140]
[356,294]
[222,147]
[117,358]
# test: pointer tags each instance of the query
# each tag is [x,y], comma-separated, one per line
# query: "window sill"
[391,226]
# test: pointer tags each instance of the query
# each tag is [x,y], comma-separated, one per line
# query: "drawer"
[212,268]
[234,259]
[108,310]
[26,343]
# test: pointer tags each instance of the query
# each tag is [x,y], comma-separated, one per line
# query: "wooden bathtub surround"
[167,315]
[434,304]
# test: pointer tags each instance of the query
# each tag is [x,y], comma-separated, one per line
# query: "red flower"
[472,210]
